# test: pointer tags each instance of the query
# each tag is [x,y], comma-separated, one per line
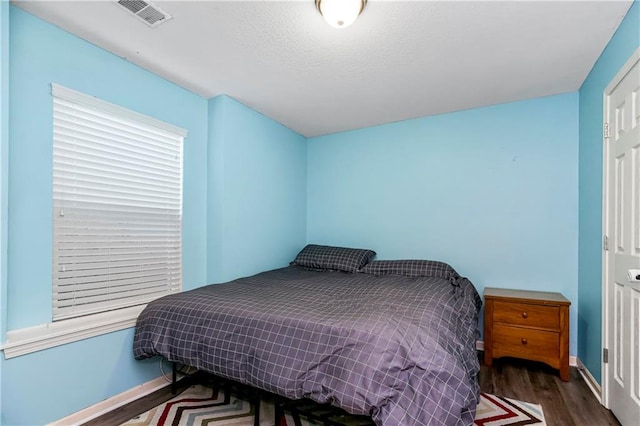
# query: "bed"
[394,340]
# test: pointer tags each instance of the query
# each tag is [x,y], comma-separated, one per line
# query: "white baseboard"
[112,403]
[591,381]
[573,361]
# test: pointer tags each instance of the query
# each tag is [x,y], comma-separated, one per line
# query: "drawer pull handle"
[524,341]
[525,315]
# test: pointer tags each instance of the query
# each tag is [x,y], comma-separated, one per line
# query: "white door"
[622,260]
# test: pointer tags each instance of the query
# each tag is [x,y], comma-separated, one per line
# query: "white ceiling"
[400,60]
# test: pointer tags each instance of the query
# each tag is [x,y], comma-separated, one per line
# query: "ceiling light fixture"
[340,13]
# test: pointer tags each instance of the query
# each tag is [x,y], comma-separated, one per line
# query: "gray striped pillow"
[333,258]
[411,268]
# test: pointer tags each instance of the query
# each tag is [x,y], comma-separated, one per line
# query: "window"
[117,206]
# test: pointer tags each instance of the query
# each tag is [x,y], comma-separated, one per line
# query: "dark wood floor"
[564,403]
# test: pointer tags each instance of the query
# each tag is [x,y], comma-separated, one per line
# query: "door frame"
[635,57]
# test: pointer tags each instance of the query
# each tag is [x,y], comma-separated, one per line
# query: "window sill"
[33,339]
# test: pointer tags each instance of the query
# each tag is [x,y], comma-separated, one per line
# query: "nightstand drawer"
[527,314]
[526,343]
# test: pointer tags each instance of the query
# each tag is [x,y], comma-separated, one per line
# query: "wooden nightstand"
[532,325]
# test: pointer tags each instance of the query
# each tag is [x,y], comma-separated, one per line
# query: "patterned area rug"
[499,411]
[200,405]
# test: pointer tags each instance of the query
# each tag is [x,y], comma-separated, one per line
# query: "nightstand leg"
[564,343]
[488,333]
[487,360]
[564,373]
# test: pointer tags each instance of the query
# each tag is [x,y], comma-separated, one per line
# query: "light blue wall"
[4,159]
[492,191]
[625,41]
[45,386]
[257,191]
[50,384]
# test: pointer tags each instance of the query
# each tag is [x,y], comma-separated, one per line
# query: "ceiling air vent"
[148,12]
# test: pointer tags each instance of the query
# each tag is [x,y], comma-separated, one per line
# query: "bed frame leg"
[279,412]
[174,374]
[227,392]
[256,417]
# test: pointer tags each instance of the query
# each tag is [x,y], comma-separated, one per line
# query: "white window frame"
[32,339]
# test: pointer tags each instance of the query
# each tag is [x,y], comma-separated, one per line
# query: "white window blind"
[117,206]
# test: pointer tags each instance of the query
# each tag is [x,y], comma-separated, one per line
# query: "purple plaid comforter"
[399,349]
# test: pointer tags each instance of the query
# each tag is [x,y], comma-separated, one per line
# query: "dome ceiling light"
[340,13]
